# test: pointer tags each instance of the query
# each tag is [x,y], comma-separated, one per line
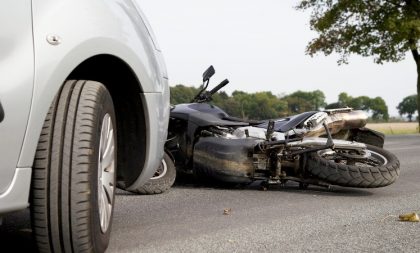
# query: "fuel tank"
[203,114]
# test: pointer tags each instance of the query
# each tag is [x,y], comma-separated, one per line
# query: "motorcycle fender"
[368,136]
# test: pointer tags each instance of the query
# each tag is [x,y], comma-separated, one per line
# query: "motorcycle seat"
[283,125]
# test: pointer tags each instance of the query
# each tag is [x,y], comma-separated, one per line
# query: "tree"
[182,94]
[358,103]
[379,109]
[385,29]
[335,105]
[301,101]
[408,106]
[376,106]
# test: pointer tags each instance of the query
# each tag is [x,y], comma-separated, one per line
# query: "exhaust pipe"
[337,121]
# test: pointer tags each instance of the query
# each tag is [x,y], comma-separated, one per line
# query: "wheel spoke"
[106,172]
[104,206]
[108,159]
[108,186]
[103,214]
[109,143]
[352,157]
[103,135]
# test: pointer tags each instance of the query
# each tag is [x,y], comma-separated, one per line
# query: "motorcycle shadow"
[291,187]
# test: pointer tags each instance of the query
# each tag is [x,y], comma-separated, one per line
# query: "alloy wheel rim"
[371,157]
[161,171]
[106,172]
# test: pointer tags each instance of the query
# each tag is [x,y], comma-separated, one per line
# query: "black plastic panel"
[203,115]
[1,113]
[285,124]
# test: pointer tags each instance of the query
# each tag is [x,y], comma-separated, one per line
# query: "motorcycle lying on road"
[324,148]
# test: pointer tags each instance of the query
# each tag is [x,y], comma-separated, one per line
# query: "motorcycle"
[330,147]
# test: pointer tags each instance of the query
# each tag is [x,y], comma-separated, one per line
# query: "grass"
[395,128]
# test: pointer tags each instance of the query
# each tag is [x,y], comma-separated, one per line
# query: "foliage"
[384,29]
[182,94]
[376,106]
[379,109]
[301,101]
[408,106]
[266,105]
[259,105]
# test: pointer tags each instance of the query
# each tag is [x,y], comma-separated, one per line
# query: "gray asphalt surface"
[190,218]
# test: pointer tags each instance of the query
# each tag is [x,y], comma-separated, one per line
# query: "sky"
[260,46]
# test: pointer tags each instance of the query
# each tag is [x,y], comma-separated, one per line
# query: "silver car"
[84,107]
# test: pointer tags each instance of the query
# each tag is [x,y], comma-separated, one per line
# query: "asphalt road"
[191,219]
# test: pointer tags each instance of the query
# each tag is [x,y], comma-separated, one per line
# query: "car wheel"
[73,182]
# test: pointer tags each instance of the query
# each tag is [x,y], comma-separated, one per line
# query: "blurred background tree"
[376,106]
[384,29]
[302,101]
[408,106]
[266,105]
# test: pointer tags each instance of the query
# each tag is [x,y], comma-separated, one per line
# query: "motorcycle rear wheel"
[375,168]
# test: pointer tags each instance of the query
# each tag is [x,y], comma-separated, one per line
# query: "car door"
[16,82]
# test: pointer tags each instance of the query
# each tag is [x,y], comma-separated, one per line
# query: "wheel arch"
[130,109]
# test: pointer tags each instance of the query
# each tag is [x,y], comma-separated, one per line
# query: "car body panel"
[96,34]
[16,82]
[17,194]
[65,34]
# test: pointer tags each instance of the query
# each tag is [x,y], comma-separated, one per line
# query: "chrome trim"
[340,144]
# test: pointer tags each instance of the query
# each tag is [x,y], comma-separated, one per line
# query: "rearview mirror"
[208,73]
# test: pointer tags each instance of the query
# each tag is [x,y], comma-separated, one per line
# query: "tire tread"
[60,191]
[355,176]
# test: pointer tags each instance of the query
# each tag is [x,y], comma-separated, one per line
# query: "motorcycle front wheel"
[162,180]
[371,168]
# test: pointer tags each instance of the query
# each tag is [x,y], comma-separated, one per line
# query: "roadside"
[191,218]
[395,128]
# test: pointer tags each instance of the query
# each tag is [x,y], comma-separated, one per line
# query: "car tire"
[73,182]
[163,179]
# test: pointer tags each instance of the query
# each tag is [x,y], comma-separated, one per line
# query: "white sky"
[260,46]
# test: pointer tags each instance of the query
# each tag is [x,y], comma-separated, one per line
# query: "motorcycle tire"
[163,179]
[357,174]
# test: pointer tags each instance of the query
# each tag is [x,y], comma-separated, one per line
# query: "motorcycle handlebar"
[218,87]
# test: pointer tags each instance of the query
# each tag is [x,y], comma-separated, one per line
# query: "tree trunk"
[416,56]
[418,92]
